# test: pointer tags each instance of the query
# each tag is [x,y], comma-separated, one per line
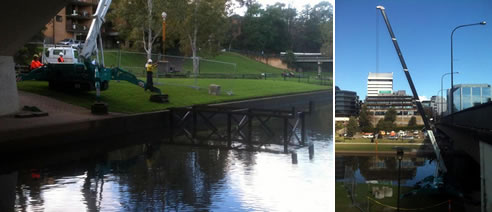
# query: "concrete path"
[59,113]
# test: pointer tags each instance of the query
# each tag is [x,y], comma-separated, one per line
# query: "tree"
[365,120]
[384,125]
[390,115]
[352,127]
[140,22]
[197,23]
[412,122]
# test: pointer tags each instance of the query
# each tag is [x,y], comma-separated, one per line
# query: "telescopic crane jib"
[420,109]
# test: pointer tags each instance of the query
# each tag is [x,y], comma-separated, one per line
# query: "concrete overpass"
[470,132]
[21,19]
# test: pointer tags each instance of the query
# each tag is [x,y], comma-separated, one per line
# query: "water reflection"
[383,168]
[160,177]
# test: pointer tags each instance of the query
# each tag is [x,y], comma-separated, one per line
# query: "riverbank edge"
[138,126]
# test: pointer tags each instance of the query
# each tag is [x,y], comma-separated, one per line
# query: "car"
[393,137]
[77,44]
[368,136]
[407,138]
[66,41]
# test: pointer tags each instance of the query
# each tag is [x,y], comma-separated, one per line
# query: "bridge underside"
[21,19]
[470,132]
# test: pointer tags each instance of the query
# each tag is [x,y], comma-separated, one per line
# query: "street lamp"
[442,88]
[451,90]
[164,15]
[399,156]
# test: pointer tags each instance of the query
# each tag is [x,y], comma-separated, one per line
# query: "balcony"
[84,2]
[77,28]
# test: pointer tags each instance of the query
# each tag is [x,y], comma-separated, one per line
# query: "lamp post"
[399,156]
[442,77]
[452,33]
[164,15]
[119,53]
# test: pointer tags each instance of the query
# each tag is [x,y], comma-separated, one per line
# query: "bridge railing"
[477,117]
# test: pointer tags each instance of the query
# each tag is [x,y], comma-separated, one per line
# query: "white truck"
[52,53]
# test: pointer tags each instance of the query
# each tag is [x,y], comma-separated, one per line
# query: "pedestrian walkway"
[59,113]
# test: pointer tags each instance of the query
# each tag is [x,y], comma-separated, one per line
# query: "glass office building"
[469,95]
[346,103]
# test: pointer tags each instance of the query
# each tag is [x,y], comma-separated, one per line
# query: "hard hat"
[61,54]
[35,55]
[149,61]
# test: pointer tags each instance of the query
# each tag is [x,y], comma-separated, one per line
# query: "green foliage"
[290,59]
[412,122]
[352,127]
[385,125]
[365,120]
[339,126]
[390,115]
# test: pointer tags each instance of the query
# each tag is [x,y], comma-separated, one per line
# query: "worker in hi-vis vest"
[149,67]
[60,59]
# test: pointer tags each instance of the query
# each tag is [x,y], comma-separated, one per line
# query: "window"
[476,99]
[466,98]
[58,18]
[486,94]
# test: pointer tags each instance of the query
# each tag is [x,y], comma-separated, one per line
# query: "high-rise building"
[469,95]
[379,83]
[346,103]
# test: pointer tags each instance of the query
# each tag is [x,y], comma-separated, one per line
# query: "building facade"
[403,104]
[439,106]
[379,83]
[469,95]
[73,21]
[346,103]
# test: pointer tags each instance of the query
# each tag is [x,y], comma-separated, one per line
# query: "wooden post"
[193,135]
[311,151]
[229,129]
[286,141]
[303,128]
[294,157]
[250,127]
[171,125]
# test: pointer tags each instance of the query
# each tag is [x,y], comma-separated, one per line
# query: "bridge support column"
[9,97]
[486,176]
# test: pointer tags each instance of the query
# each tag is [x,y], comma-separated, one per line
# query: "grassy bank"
[128,98]
[383,140]
[373,147]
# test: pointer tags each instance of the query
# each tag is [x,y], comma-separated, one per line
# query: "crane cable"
[377,41]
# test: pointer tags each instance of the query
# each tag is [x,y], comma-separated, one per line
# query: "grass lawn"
[371,147]
[344,203]
[125,97]
[368,140]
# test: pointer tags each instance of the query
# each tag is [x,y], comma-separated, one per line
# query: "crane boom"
[90,45]
[414,91]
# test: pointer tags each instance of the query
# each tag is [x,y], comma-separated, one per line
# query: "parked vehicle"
[51,54]
[66,41]
[408,137]
[368,136]
[393,137]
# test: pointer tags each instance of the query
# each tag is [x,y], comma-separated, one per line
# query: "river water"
[163,177]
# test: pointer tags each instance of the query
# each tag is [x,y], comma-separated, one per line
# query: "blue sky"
[423,30]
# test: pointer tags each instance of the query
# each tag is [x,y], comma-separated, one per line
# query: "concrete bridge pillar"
[486,176]
[9,97]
